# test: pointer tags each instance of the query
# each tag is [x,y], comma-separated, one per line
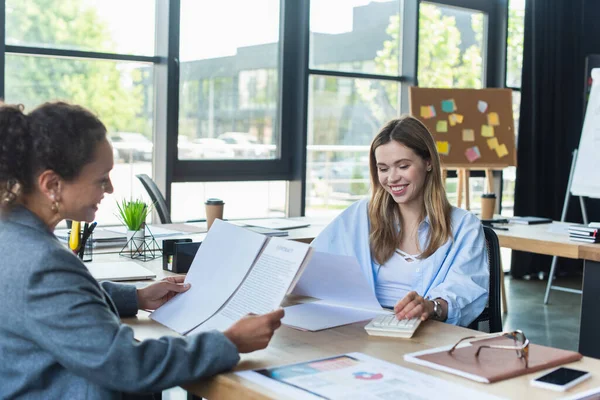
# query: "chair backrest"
[157,198]
[490,319]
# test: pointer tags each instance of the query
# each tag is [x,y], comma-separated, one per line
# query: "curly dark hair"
[57,136]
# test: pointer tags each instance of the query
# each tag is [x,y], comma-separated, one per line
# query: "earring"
[54,206]
[429,169]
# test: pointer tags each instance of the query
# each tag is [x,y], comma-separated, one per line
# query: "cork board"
[473,128]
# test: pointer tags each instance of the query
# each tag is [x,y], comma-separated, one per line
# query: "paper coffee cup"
[488,205]
[214,209]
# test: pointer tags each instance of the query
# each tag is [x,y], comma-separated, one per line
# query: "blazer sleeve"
[123,296]
[466,284]
[67,316]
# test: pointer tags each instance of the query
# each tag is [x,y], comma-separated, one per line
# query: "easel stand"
[463,175]
[549,285]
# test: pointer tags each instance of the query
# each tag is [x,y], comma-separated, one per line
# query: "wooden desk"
[290,346]
[538,239]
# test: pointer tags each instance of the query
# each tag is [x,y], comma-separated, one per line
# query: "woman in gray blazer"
[60,334]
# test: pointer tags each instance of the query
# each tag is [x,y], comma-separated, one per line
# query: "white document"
[234,272]
[276,223]
[266,285]
[119,271]
[221,264]
[344,292]
[318,316]
[356,376]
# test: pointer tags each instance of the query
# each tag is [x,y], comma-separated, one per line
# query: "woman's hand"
[153,296]
[413,306]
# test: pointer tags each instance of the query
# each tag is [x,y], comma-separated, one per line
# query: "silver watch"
[437,309]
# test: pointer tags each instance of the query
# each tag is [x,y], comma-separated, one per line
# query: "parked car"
[203,148]
[132,146]
[244,145]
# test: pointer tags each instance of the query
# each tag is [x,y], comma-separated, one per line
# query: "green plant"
[133,213]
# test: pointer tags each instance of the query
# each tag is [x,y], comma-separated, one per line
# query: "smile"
[398,190]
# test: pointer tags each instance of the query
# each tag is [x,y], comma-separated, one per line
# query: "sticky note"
[448,105]
[441,126]
[443,147]
[493,143]
[501,150]
[487,131]
[482,106]
[493,119]
[455,119]
[472,154]
[468,135]
[427,112]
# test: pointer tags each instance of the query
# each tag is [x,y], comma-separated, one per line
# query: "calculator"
[389,325]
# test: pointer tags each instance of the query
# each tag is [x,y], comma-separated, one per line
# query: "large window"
[229,86]
[52,54]
[347,103]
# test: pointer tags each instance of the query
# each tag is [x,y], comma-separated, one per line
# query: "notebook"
[530,220]
[119,271]
[492,365]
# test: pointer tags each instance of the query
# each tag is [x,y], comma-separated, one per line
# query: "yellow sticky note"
[493,143]
[452,119]
[493,119]
[501,150]
[459,118]
[443,147]
[468,135]
[424,111]
[442,126]
[487,131]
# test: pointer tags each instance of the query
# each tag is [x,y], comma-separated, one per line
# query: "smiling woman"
[416,248]
[60,335]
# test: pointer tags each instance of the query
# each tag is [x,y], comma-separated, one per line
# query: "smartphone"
[561,379]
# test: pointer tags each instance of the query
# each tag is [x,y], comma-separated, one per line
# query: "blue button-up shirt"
[457,272]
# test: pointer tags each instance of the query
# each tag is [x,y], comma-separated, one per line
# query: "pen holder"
[85,253]
[86,256]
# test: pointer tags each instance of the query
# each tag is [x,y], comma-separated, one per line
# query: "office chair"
[490,319]
[157,198]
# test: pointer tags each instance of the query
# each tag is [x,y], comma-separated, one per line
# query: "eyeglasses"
[521,344]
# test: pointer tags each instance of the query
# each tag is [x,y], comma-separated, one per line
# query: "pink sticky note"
[472,154]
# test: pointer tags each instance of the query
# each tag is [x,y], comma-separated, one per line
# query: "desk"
[290,346]
[538,239]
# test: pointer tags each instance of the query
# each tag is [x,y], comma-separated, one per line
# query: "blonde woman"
[423,257]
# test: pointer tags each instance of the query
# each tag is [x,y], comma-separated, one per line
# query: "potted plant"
[132,214]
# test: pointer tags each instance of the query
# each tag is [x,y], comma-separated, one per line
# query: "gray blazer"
[60,334]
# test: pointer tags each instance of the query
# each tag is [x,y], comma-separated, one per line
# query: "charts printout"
[357,376]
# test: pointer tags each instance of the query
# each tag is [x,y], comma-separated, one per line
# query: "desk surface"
[290,346]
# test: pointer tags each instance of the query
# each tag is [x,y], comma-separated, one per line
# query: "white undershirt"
[393,280]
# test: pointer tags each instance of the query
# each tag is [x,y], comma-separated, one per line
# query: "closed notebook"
[492,365]
[530,220]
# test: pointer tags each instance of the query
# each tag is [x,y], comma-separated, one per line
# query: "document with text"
[234,273]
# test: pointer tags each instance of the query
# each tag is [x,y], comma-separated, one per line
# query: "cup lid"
[488,196]
[214,202]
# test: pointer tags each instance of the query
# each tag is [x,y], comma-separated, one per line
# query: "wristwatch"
[437,309]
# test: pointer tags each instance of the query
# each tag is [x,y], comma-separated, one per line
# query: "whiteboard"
[586,180]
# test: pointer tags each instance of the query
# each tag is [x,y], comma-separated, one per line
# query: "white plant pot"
[136,240]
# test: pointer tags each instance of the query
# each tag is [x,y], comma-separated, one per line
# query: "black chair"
[490,319]
[157,198]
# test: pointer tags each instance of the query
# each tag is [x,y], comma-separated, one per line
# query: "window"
[451,47]
[229,83]
[242,199]
[88,25]
[346,111]
[48,58]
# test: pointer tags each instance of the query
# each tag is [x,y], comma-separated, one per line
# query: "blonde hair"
[384,213]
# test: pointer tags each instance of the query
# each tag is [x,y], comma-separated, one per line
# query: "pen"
[74,237]
[500,228]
